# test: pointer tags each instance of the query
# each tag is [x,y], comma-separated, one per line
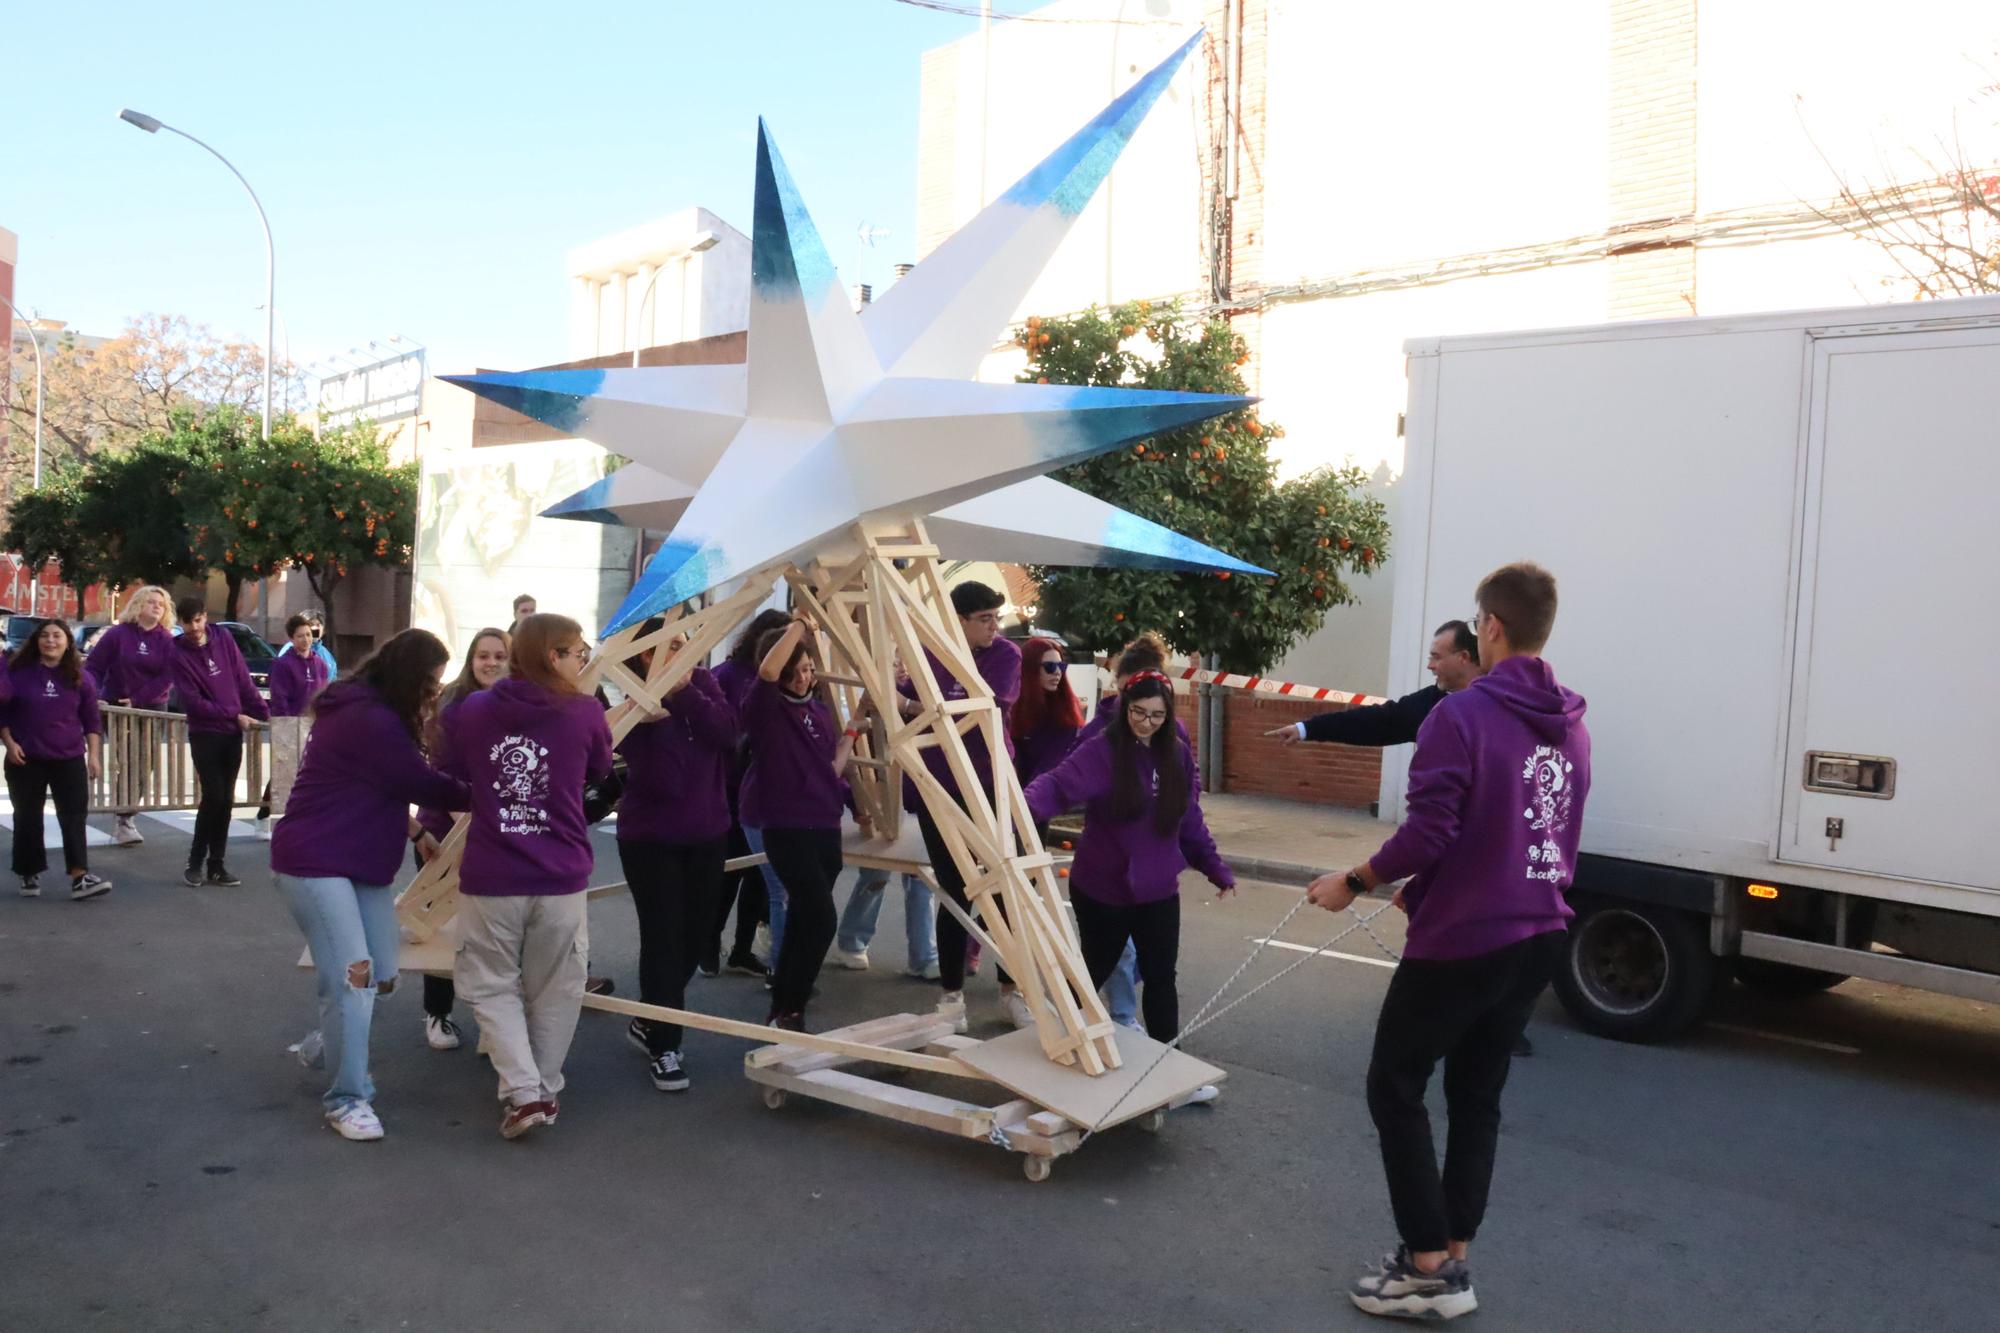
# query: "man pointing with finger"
[1454,663]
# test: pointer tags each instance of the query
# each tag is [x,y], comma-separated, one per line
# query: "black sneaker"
[709,967]
[192,877]
[748,965]
[31,886]
[598,985]
[787,1022]
[87,885]
[668,1076]
[637,1033]
[1398,1290]
[219,876]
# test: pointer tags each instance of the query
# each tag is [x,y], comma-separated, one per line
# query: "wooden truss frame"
[880,606]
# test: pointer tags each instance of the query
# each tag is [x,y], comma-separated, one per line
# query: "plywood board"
[1016,1062]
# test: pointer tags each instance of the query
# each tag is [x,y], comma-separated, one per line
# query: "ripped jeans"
[351,930]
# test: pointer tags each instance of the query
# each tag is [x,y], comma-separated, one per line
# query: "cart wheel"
[774,1098]
[1154,1120]
[1037,1168]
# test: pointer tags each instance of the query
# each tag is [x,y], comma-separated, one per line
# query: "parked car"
[87,635]
[21,625]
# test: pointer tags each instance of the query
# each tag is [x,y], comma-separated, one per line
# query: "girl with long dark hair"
[528,746]
[338,846]
[55,745]
[222,703]
[673,831]
[1142,827]
[485,664]
[754,889]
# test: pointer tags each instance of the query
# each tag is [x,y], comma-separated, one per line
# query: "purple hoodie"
[1040,751]
[49,717]
[132,663]
[349,811]
[677,769]
[999,664]
[527,753]
[1494,810]
[214,685]
[791,782]
[1126,862]
[294,682]
[435,821]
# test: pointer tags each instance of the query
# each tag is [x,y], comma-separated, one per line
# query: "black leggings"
[676,890]
[218,758]
[27,784]
[753,903]
[951,936]
[1155,931]
[807,862]
[1468,1012]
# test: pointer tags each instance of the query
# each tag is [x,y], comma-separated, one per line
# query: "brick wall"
[1256,765]
[1652,146]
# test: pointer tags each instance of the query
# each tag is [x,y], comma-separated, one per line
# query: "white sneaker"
[31,886]
[440,1033]
[126,833]
[928,972]
[853,962]
[356,1121]
[761,943]
[952,1007]
[1207,1092]
[263,829]
[1015,1006]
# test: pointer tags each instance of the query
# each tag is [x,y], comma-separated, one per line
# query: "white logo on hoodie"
[1550,798]
[48,689]
[523,785]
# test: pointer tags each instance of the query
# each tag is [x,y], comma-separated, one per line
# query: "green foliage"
[44,525]
[1215,482]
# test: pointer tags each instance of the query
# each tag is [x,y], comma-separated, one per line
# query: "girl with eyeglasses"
[527,746]
[1142,826]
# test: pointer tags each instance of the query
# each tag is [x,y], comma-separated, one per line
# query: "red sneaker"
[519,1119]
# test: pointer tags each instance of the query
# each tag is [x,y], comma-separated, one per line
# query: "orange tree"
[1215,482]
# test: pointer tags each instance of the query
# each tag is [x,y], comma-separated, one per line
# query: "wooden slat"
[759,1032]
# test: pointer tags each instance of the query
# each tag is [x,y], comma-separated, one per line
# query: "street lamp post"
[704,240]
[34,340]
[153,126]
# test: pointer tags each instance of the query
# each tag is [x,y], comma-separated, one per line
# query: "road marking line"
[1323,953]
[1833,1046]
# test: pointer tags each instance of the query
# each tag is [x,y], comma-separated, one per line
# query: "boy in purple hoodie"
[1488,844]
[222,703]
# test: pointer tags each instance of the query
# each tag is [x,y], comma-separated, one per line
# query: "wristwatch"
[1355,884]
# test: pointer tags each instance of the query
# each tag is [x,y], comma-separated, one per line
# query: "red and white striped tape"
[1280,688]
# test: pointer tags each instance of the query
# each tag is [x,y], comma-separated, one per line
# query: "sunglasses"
[1052,668]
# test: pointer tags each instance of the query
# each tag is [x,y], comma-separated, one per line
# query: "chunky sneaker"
[440,1034]
[31,886]
[952,1008]
[668,1076]
[928,972]
[126,833]
[355,1120]
[598,985]
[637,1033]
[219,876]
[1015,1006]
[748,965]
[518,1120]
[853,962]
[87,885]
[794,1022]
[192,877]
[1398,1290]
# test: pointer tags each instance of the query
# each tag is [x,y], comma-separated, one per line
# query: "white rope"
[1202,1017]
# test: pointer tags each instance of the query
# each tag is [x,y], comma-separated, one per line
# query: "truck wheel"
[1634,971]
[1784,979]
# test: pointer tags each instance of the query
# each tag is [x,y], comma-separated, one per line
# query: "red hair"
[1038,708]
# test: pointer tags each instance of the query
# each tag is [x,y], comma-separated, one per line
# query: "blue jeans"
[351,930]
[774,889]
[1121,989]
[864,909]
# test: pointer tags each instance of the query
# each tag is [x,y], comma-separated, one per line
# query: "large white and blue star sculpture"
[836,418]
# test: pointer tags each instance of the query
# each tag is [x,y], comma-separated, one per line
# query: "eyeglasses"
[581,653]
[1153,715]
[1052,668]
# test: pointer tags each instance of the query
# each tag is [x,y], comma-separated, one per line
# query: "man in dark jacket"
[1454,663]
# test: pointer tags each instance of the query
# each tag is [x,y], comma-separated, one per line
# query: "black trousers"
[68,780]
[746,889]
[807,862]
[1469,1013]
[676,890]
[951,936]
[218,758]
[1155,931]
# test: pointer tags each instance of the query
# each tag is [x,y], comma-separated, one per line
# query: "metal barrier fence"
[147,765]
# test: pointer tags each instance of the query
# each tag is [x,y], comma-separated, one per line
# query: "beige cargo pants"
[520,965]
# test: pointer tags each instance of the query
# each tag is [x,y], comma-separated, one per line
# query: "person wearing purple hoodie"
[1142,826]
[133,665]
[297,676]
[673,832]
[754,889]
[1488,847]
[55,746]
[340,843]
[527,747]
[222,704]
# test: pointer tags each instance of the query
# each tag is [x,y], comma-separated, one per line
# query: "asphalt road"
[1822,1164]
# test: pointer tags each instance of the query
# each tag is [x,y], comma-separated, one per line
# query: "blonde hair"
[137,599]
[534,639]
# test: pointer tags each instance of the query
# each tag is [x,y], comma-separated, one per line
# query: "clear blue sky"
[427,166]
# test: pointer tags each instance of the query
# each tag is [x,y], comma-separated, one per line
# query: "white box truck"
[1773,537]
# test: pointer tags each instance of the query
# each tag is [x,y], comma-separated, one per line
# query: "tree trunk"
[323,582]
[234,582]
